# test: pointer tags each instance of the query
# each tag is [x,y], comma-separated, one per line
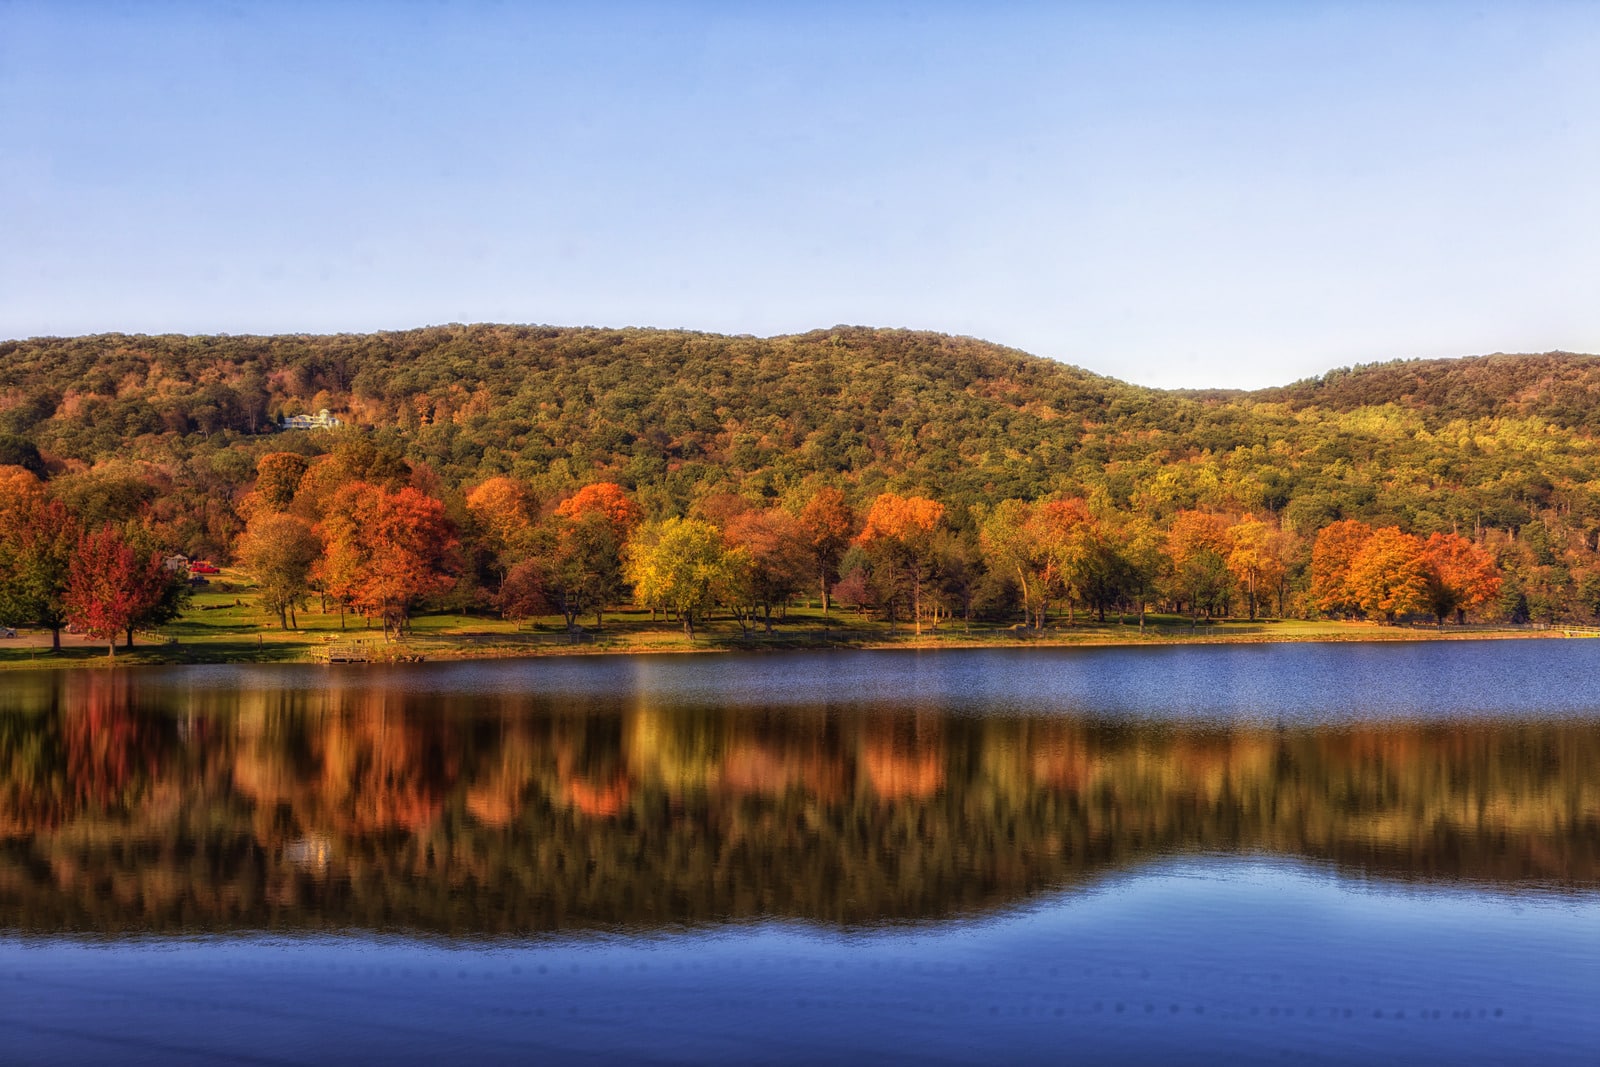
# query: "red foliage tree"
[37,539]
[112,585]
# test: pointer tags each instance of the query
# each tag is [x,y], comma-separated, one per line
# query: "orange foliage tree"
[1198,545]
[828,522]
[1256,558]
[278,477]
[1066,541]
[278,550]
[607,499]
[503,509]
[1461,577]
[1389,576]
[1332,555]
[899,533]
[386,549]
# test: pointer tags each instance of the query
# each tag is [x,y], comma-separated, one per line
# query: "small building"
[322,420]
[176,564]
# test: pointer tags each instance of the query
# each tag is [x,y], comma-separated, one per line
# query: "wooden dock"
[346,653]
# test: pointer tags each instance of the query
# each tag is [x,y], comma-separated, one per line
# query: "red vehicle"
[202,566]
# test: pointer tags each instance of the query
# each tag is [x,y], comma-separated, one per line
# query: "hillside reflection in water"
[352,801]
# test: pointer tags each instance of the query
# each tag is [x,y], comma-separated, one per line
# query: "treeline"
[170,433]
[57,570]
[361,531]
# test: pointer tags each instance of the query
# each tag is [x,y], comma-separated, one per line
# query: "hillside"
[647,405]
[1496,446]
[1560,387]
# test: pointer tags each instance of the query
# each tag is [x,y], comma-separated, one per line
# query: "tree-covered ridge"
[172,431]
[1559,387]
[647,405]
[669,411]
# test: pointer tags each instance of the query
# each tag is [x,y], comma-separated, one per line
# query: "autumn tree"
[1333,554]
[776,545]
[502,509]
[1058,530]
[112,585]
[1389,576]
[607,500]
[20,492]
[38,537]
[278,550]
[278,476]
[854,588]
[680,565]
[1198,546]
[1460,576]
[828,523]
[523,593]
[386,549]
[899,534]
[1255,558]
[174,593]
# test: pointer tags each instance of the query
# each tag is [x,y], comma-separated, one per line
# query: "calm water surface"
[1332,853]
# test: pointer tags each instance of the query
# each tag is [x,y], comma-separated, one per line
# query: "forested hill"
[674,416]
[1561,387]
[642,404]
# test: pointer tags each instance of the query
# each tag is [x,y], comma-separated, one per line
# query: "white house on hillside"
[322,420]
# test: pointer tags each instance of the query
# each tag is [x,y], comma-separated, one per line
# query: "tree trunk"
[55,639]
[824,594]
[130,638]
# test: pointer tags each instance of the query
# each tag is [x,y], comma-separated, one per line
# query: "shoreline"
[310,647]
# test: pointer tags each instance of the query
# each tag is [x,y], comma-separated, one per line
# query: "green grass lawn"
[224,624]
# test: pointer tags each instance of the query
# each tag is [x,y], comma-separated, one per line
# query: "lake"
[1271,853]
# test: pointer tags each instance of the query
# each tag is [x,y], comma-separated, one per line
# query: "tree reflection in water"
[370,807]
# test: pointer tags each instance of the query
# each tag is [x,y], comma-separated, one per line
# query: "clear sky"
[1175,194]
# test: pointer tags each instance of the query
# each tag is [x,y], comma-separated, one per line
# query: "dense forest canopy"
[1501,449]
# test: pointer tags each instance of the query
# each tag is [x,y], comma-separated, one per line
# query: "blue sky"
[1220,194]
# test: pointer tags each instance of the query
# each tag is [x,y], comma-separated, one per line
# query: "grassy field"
[225,625]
